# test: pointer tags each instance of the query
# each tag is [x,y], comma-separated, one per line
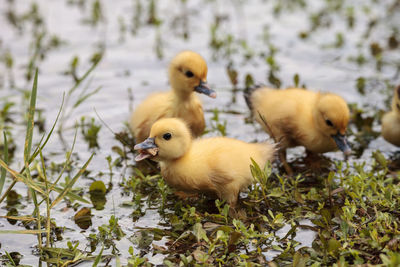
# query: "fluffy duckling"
[218,165]
[187,74]
[297,117]
[391,121]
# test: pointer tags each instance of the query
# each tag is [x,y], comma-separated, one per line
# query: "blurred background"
[107,56]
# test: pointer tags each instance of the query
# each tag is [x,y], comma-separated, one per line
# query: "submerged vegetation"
[70,192]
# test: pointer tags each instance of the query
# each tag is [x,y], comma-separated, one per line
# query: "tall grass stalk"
[4,171]
[39,147]
[36,187]
[81,97]
[47,201]
[27,151]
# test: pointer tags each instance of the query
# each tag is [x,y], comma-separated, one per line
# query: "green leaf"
[21,178]
[296,80]
[199,232]
[360,84]
[98,186]
[22,232]
[300,260]
[333,245]
[3,170]
[66,161]
[83,98]
[72,195]
[31,121]
[71,183]
[40,147]
[10,258]
[70,91]
[380,158]
[98,258]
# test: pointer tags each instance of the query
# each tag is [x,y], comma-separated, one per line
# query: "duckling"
[391,121]
[217,165]
[297,117]
[187,74]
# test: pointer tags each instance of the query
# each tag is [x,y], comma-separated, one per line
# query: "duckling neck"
[183,101]
[182,94]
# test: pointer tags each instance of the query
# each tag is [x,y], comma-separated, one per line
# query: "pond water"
[312,39]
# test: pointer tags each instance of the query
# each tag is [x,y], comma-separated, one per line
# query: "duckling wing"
[226,188]
[288,134]
[154,107]
[229,159]
[220,178]
[193,115]
[229,162]
[286,113]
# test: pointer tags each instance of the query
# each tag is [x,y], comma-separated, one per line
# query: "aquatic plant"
[55,208]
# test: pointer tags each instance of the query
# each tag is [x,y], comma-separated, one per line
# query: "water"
[130,62]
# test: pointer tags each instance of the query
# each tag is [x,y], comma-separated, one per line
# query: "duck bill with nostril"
[342,143]
[203,88]
[146,149]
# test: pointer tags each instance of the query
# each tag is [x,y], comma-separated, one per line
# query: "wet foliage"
[72,71]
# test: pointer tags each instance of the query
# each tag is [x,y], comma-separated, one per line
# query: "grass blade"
[4,171]
[83,77]
[22,232]
[66,161]
[83,98]
[10,259]
[72,195]
[21,178]
[98,258]
[71,183]
[36,152]
[40,147]
[31,120]
[20,218]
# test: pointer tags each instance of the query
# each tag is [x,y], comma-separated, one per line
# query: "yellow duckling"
[297,117]
[391,121]
[187,74]
[218,165]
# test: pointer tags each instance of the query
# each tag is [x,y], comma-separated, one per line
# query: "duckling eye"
[329,123]
[189,74]
[167,136]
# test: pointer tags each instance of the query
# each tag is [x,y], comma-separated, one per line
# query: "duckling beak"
[147,148]
[203,88]
[342,143]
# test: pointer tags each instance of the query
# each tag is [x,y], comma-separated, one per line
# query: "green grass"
[351,209]
[40,191]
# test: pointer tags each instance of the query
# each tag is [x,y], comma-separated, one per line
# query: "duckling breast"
[154,107]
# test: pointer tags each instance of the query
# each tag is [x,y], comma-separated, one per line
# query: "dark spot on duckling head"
[329,123]
[189,74]
[167,136]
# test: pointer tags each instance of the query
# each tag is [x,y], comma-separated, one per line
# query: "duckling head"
[169,139]
[396,101]
[332,117]
[188,73]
